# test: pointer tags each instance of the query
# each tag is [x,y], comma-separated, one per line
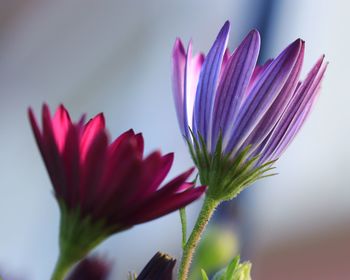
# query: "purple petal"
[178,76]
[262,95]
[295,114]
[192,71]
[207,84]
[258,71]
[271,117]
[233,84]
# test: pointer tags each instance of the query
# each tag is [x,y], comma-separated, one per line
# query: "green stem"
[183,219]
[61,269]
[208,208]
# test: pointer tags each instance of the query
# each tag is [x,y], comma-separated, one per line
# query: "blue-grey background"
[115,57]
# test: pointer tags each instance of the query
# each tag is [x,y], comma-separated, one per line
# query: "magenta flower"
[239,117]
[91,268]
[102,187]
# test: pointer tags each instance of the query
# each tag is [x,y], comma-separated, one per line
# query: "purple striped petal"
[258,71]
[295,114]
[207,84]
[225,59]
[233,85]
[192,70]
[269,120]
[178,76]
[263,95]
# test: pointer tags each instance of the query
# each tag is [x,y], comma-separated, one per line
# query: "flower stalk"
[62,267]
[208,208]
[183,219]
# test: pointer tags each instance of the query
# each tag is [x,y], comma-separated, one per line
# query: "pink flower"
[104,187]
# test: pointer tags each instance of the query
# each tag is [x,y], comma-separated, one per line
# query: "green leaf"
[234,271]
[204,275]
[231,268]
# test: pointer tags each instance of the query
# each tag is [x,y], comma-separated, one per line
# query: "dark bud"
[160,267]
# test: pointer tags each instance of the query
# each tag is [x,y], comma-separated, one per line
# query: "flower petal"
[273,114]
[71,159]
[192,71]
[258,71]
[91,129]
[207,85]
[60,124]
[122,168]
[233,85]
[157,177]
[156,207]
[178,82]
[295,114]
[55,164]
[150,167]
[92,169]
[262,96]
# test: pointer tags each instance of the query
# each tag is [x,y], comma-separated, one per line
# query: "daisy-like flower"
[101,187]
[236,116]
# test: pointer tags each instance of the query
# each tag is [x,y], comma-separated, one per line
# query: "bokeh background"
[115,57]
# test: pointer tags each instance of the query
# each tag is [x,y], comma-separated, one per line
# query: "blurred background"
[115,57]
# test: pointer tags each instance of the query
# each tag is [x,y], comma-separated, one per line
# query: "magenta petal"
[122,137]
[139,144]
[150,167]
[55,165]
[71,159]
[101,184]
[174,186]
[91,268]
[149,210]
[92,128]
[163,170]
[122,172]
[37,133]
[60,124]
[92,169]
[176,183]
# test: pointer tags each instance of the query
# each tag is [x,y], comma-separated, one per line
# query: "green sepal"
[226,176]
[79,235]
[235,271]
[204,275]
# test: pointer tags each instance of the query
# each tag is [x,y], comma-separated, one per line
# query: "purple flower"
[238,117]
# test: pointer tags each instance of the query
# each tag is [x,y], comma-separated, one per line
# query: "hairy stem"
[183,219]
[208,208]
